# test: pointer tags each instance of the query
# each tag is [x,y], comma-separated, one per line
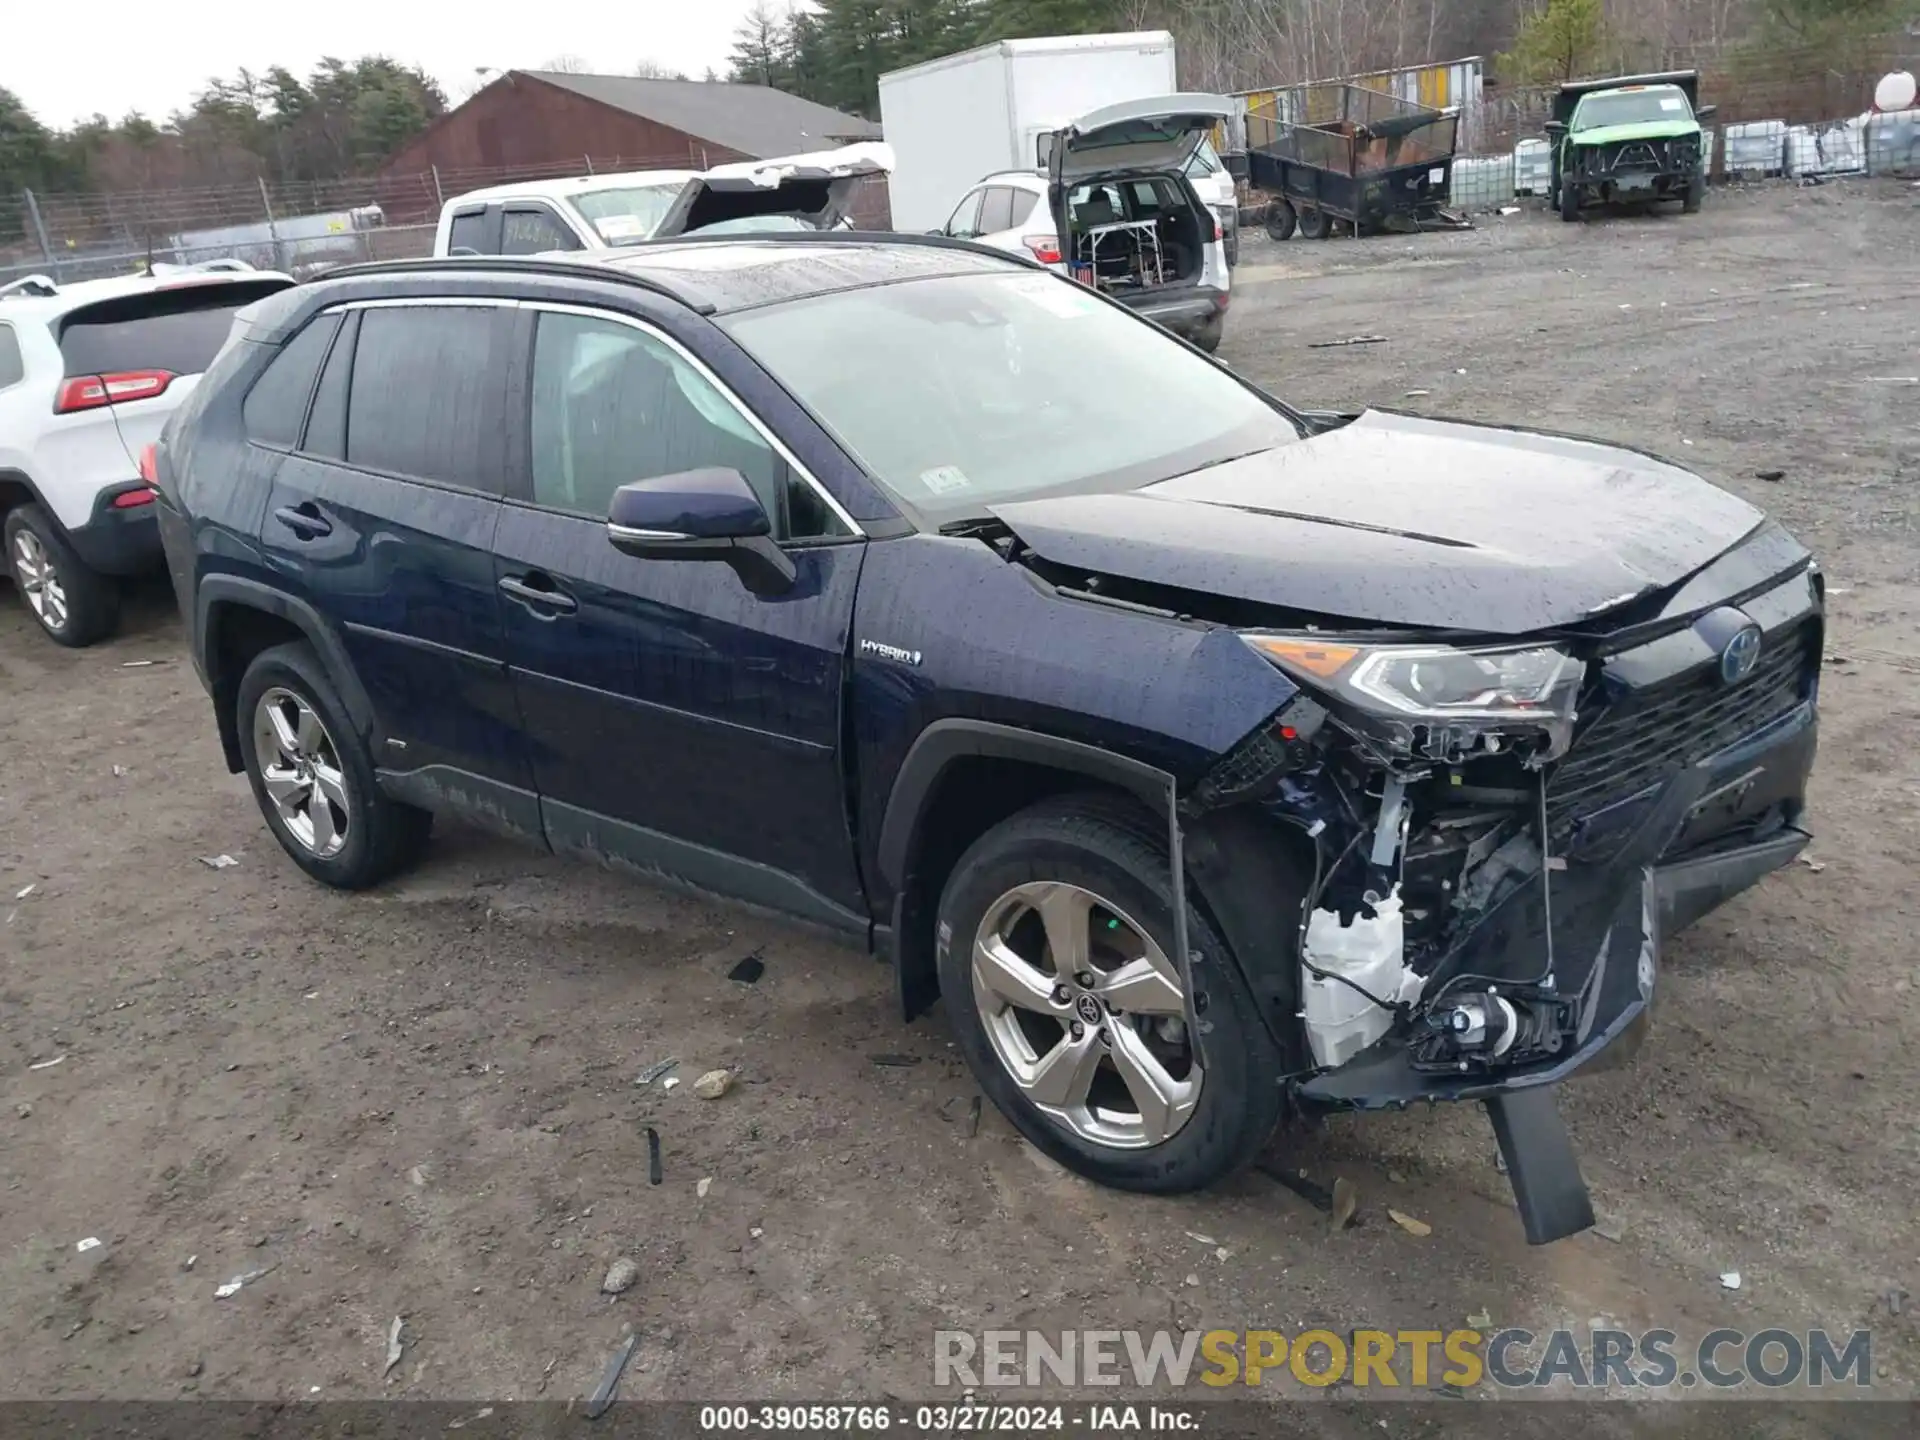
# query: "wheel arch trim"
[218,593]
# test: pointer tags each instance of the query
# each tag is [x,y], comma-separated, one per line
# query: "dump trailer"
[1335,153]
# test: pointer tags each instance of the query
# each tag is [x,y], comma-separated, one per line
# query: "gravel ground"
[421,1102]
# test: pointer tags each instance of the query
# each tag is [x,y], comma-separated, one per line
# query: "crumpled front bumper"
[1607,923]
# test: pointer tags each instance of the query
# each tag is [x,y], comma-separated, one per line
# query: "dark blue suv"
[1206,758]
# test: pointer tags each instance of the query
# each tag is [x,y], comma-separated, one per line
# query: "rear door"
[677,722]
[127,364]
[382,518]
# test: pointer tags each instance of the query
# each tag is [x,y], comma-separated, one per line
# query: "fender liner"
[946,741]
[240,592]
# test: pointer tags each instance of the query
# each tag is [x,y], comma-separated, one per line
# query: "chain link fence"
[299,227]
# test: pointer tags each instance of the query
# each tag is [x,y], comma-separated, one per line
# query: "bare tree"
[654,70]
[567,65]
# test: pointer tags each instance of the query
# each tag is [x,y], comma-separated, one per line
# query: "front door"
[382,518]
[678,723]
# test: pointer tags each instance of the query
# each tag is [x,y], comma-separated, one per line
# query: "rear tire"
[1208,336]
[1088,851]
[1280,220]
[320,798]
[1314,224]
[75,606]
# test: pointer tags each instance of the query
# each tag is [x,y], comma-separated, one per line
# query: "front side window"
[613,404]
[965,391]
[424,396]
[533,230]
[963,222]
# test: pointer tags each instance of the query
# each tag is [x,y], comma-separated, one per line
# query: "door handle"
[539,593]
[304,519]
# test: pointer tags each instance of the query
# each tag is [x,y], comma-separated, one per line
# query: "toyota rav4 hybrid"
[1204,757]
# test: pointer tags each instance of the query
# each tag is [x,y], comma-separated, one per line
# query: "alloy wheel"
[301,771]
[1087,1014]
[40,580]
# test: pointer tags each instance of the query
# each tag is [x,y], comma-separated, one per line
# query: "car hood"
[1643,130]
[1399,520]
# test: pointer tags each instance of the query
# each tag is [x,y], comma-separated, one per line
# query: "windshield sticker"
[944,479]
[620,227]
[1672,102]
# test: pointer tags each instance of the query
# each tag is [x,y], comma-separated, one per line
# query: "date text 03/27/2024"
[946,1418]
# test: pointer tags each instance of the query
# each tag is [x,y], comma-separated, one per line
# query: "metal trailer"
[1335,153]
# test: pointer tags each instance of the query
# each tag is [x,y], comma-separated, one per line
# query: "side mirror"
[1555,129]
[1705,112]
[708,514]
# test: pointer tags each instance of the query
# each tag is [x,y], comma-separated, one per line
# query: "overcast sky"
[155,61]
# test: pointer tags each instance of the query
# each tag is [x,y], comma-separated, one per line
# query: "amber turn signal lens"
[1312,656]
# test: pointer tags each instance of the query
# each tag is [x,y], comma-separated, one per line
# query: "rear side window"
[178,331]
[276,407]
[425,395]
[327,425]
[1023,203]
[469,231]
[534,229]
[996,211]
[12,368]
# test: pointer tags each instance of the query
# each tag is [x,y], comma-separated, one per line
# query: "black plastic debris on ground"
[654,1173]
[892,1061]
[602,1397]
[750,969]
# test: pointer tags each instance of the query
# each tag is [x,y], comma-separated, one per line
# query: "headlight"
[1449,692]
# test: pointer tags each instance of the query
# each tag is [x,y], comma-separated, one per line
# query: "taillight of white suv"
[90,392]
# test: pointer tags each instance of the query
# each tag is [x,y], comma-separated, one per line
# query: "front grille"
[1637,155]
[1646,737]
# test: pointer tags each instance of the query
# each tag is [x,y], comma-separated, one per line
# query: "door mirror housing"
[1704,113]
[1555,129]
[710,514]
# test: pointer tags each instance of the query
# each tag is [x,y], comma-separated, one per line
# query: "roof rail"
[838,237]
[511,265]
[39,285]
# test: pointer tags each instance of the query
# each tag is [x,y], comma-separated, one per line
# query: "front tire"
[1696,192]
[1569,200]
[1055,947]
[313,778]
[1280,220]
[75,606]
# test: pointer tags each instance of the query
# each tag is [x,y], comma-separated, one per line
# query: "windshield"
[625,217]
[961,392]
[1632,107]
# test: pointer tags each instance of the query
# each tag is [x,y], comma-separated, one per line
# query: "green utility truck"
[1634,139]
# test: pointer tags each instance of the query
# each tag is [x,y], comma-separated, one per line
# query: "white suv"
[89,372]
[1142,232]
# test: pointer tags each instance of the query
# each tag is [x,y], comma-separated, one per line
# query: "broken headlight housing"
[1439,702]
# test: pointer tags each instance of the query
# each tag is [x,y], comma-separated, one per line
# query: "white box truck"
[953,120]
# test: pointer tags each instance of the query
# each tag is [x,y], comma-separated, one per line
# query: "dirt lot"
[422,1102]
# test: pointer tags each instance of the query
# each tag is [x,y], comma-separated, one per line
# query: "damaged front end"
[1502,834]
